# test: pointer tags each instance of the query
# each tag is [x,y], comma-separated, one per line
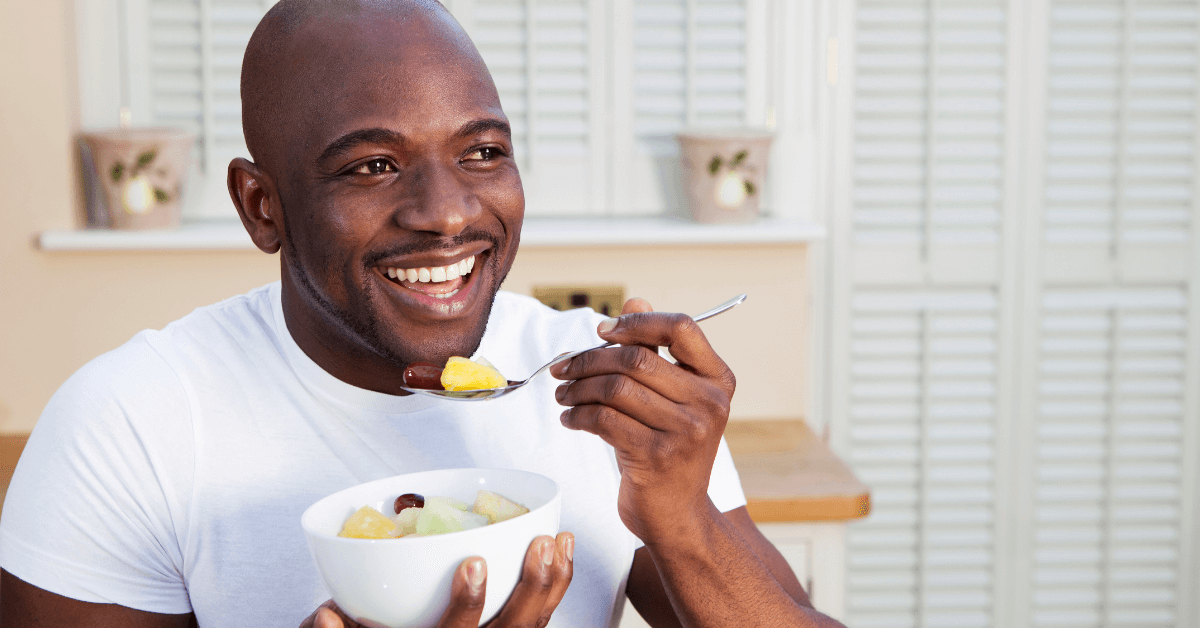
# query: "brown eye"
[375,166]
[487,153]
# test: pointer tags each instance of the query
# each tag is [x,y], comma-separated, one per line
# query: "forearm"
[715,579]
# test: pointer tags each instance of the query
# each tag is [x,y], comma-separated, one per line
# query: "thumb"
[638,305]
[326,618]
[467,592]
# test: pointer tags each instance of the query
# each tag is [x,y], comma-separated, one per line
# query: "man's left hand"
[664,420]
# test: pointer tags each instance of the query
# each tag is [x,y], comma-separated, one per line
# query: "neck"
[353,362]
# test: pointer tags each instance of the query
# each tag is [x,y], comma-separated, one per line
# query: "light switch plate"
[606,300]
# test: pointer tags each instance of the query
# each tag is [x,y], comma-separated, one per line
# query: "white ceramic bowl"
[406,582]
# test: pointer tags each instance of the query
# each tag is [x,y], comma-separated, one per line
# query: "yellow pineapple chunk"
[463,374]
[368,523]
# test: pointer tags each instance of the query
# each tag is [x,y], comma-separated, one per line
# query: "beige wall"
[762,340]
[59,310]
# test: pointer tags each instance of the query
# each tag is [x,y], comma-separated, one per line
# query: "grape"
[423,375]
[409,500]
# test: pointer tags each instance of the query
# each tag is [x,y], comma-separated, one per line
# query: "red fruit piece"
[409,500]
[423,375]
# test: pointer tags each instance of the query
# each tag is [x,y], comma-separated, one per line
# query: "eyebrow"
[483,125]
[349,141]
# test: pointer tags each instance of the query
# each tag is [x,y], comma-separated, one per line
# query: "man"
[164,482]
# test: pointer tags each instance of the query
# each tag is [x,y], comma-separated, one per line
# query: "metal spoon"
[494,393]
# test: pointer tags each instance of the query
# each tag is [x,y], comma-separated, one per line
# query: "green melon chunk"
[441,517]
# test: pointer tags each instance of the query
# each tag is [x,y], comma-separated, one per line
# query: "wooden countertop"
[787,471]
[790,474]
[11,446]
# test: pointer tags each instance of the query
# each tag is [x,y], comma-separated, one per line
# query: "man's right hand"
[547,573]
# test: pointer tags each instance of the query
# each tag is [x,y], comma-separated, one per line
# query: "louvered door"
[922,408]
[929,139]
[923,356]
[1120,137]
[1078,215]
[1109,460]
[1112,318]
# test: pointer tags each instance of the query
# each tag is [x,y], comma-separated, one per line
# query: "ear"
[257,202]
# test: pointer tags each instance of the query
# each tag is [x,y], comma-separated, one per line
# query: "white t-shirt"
[169,475]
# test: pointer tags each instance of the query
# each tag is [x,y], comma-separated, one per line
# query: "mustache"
[432,244]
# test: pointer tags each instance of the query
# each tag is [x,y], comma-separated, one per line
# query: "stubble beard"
[367,329]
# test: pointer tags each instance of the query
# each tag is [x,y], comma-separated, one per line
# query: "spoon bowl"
[484,394]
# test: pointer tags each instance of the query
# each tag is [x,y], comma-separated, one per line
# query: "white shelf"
[663,231]
[541,232]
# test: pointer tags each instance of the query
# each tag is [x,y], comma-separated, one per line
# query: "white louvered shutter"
[679,64]
[921,246]
[547,58]
[1120,129]
[928,144]
[1109,459]
[595,89]
[185,67]
[1115,415]
[922,405]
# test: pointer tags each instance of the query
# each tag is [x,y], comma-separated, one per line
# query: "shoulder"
[143,387]
[116,443]
[238,319]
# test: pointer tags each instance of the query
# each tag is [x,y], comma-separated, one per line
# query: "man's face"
[402,201]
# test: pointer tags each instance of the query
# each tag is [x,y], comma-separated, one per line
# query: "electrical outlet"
[606,300]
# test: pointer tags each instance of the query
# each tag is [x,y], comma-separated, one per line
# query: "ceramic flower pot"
[723,173]
[140,174]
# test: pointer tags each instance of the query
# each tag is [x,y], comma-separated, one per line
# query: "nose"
[442,201]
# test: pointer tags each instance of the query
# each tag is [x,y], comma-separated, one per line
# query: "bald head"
[301,48]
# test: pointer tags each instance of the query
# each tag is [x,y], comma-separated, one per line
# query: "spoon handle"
[699,317]
[720,308]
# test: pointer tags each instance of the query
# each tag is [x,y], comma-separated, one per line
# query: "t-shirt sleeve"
[724,485]
[97,501]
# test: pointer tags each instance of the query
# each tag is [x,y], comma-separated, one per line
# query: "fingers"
[544,580]
[678,332]
[613,427]
[638,364]
[564,570]
[627,395]
[466,595]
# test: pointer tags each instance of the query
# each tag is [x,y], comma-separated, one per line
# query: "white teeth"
[445,296]
[435,275]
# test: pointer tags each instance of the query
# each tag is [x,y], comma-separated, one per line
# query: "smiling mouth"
[439,282]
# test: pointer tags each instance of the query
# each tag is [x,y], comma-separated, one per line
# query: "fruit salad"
[420,516]
[458,374]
